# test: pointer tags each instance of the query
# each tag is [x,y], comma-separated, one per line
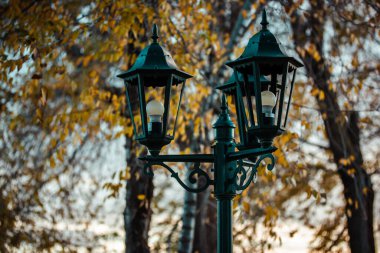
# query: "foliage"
[60,102]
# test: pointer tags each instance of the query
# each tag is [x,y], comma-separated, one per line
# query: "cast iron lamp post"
[261,91]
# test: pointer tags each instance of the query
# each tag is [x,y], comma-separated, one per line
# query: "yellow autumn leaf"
[314,92]
[43,96]
[321,95]
[246,206]
[52,162]
[244,13]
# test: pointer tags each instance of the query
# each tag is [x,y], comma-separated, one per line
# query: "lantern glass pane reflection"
[167,95]
[133,102]
[175,105]
[154,107]
[287,96]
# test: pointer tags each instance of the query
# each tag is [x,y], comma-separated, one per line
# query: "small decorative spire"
[264,21]
[224,105]
[224,122]
[155,33]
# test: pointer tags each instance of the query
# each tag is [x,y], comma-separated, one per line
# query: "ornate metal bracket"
[193,177]
[241,173]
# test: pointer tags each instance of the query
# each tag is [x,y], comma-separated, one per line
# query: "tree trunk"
[342,131]
[205,224]
[188,220]
[197,233]
[137,212]
[359,216]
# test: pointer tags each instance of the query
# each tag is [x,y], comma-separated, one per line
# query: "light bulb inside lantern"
[268,101]
[155,110]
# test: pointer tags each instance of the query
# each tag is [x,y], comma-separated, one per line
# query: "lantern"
[247,140]
[264,77]
[154,85]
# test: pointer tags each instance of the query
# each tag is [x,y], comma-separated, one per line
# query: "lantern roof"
[264,46]
[155,62]
[230,85]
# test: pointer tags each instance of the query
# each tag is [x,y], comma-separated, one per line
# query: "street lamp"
[262,88]
[152,78]
[155,76]
[230,88]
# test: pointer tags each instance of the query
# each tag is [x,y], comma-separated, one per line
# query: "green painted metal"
[263,46]
[165,119]
[130,108]
[231,173]
[257,87]
[229,178]
[144,120]
[224,122]
[282,93]
[156,64]
[193,177]
[179,107]
[224,225]
[154,67]
[244,180]
[239,89]
[229,86]
[249,152]
[224,188]
[241,118]
[290,96]
[262,57]
[202,158]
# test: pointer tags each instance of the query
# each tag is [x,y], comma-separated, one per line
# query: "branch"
[313,144]
[238,24]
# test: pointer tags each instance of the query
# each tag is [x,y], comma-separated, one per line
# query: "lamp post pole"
[224,188]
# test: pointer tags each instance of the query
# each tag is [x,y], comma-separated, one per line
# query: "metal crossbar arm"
[249,152]
[196,173]
[194,158]
[248,163]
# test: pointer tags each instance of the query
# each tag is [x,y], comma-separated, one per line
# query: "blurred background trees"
[62,109]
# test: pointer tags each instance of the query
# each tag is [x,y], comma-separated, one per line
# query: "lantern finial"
[264,21]
[224,125]
[155,33]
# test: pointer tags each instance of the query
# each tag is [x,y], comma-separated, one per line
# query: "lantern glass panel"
[134,107]
[249,104]
[278,95]
[270,94]
[233,107]
[289,82]
[154,94]
[269,90]
[175,104]
[155,107]
[241,118]
[169,95]
[248,100]
[250,110]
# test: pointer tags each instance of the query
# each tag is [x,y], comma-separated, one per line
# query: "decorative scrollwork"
[242,182]
[195,174]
